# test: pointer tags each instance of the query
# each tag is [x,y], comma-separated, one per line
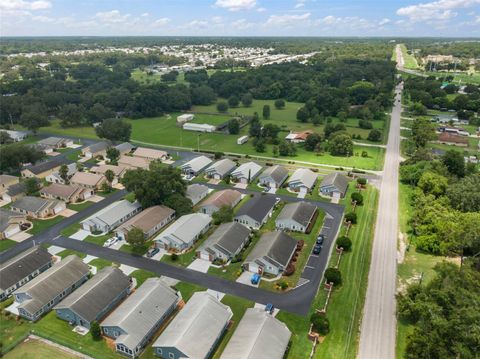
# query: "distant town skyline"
[455,18]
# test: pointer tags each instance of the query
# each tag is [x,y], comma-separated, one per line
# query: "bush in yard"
[333,275]
[290,269]
[364,154]
[351,217]
[300,244]
[282,285]
[95,331]
[222,106]
[345,243]
[362,181]
[174,257]
[357,197]
[218,155]
[320,323]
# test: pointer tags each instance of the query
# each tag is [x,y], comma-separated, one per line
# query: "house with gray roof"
[14,192]
[149,221]
[256,328]
[196,329]
[225,243]
[273,177]
[96,150]
[43,169]
[55,142]
[138,318]
[22,268]
[10,223]
[111,216]
[246,172]
[223,198]
[95,299]
[297,217]
[302,180]
[220,169]
[256,211]
[46,290]
[196,165]
[55,177]
[7,181]
[184,232]
[334,185]
[16,136]
[125,147]
[272,254]
[66,193]
[38,207]
[196,192]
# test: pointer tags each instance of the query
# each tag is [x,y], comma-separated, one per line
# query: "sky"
[395,18]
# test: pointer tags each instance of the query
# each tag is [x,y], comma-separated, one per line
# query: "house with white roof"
[246,172]
[220,169]
[302,180]
[111,216]
[196,165]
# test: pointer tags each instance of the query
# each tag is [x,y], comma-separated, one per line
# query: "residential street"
[378,328]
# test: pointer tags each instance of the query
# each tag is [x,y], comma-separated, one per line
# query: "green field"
[6,244]
[410,60]
[460,78]
[35,349]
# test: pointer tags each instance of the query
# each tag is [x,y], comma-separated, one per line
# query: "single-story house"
[138,318]
[302,180]
[183,233]
[55,177]
[447,138]
[111,216]
[196,165]
[225,243]
[118,171]
[43,169]
[66,193]
[256,328]
[246,172]
[95,299]
[196,329]
[16,136]
[272,254]
[220,169]
[298,137]
[10,223]
[297,217]
[96,150]
[133,163]
[52,143]
[88,180]
[226,197]
[150,221]
[196,192]
[185,118]
[6,181]
[150,154]
[14,192]
[273,177]
[199,127]
[38,207]
[256,211]
[47,289]
[125,148]
[22,268]
[334,185]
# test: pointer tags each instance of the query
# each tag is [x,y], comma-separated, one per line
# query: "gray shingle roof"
[125,147]
[5,216]
[276,246]
[257,207]
[186,228]
[197,164]
[16,189]
[258,335]
[97,147]
[246,168]
[48,165]
[141,311]
[301,212]
[228,238]
[278,173]
[195,329]
[226,197]
[222,167]
[20,266]
[335,179]
[52,141]
[96,294]
[33,204]
[111,214]
[304,176]
[196,190]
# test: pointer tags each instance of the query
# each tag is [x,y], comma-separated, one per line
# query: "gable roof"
[196,190]
[6,216]
[97,147]
[274,246]
[130,161]
[48,165]
[141,311]
[60,190]
[246,168]
[277,173]
[34,204]
[186,228]
[87,178]
[125,147]
[113,212]
[303,176]
[52,141]
[197,164]
[258,335]
[222,167]
[96,294]
[16,188]
[196,328]
[227,238]
[226,197]
[335,179]
[145,152]
[6,179]
[22,265]
[301,212]
[148,218]
[257,207]
[117,170]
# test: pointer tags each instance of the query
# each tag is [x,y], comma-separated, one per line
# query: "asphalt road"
[378,329]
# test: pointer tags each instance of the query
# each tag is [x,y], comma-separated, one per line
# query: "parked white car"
[111,241]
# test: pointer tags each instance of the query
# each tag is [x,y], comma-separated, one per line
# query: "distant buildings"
[96,150]
[196,192]
[185,118]
[43,169]
[37,207]
[150,154]
[199,127]
[10,223]
[196,165]
[220,169]
[302,180]
[298,137]
[66,193]
[88,180]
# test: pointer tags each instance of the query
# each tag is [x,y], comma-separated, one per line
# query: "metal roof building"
[111,216]
[196,165]
[220,168]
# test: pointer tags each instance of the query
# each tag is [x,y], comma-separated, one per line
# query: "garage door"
[243,180]
[11,231]
[216,176]
[204,256]
[273,185]
[58,208]
[303,190]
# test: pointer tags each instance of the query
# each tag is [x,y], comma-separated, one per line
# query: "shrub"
[357,197]
[174,257]
[364,154]
[345,243]
[333,275]
[351,217]
[279,104]
[218,155]
[300,244]
[320,323]
[362,181]
[290,269]
[282,285]
[95,331]
[222,106]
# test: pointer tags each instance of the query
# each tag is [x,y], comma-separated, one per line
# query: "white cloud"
[145,14]
[242,24]
[200,24]
[12,5]
[261,9]
[111,17]
[287,20]
[384,22]
[162,21]
[217,19]
[299,5]
[236,5]
[436,10]
[348,22]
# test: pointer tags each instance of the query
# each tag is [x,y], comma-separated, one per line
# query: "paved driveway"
[245,279]
[200,265]
[80,235]
[20,236]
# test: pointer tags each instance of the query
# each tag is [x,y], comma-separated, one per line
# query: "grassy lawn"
[187,289]
[410,61]
[74,228]
[80,132]
[12,331]
[101,263]
[79,206]
[35,349]
[40,225]
[141,276]
[98,240]
[134,250]
[74,155]
[459,77]
[67,252]
[6,244]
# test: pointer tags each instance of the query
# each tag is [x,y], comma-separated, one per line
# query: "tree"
[233,101]
[114,130]
[266,112]
[365,124]
[454,162]
[341,145]
[422,132]
[357,198]
[374,135]
[34,116]
[247,100]
[32,186]
[270,132]
[113,154]
[71,115]
[433,183]
[233,126]
[5,138]
[13,156]
[110,176]
[312,141]
[222,106]
[362,181]
[136,238]
[255,127]
[320,323]
[63,172]
[275,151]
[286,148]
[303,114]
[279,104]
[223,215]
[465,194]
[333,275]
[418,109]
[99,112]
[344,242]
[95,330]
[181,204]
[351,217]
[259,144]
